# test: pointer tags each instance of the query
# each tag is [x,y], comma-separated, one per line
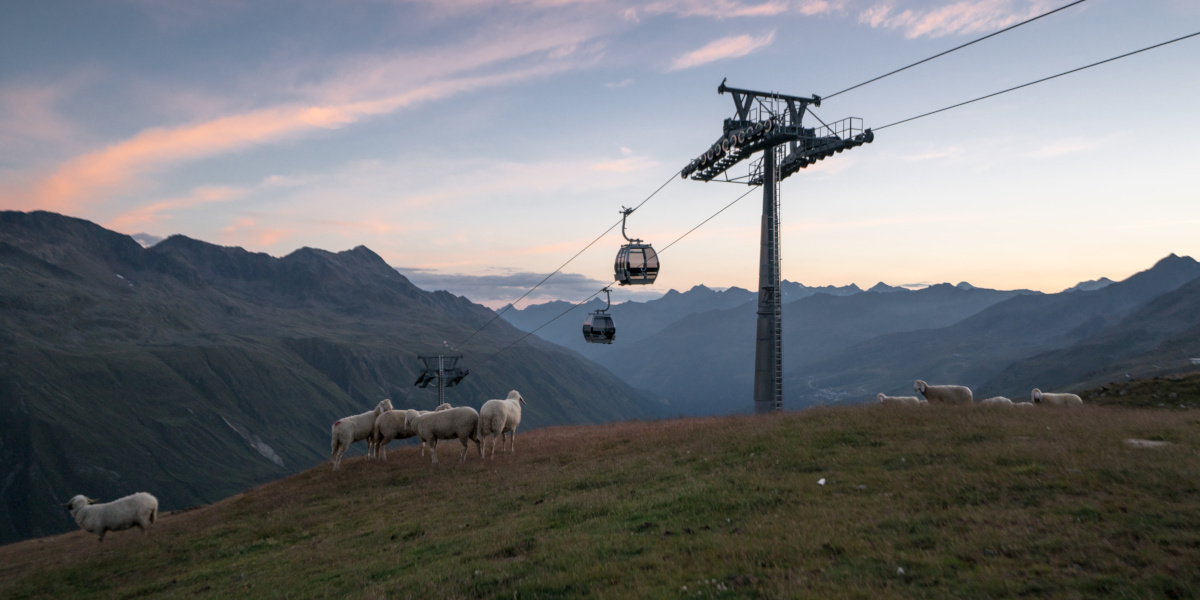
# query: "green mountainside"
[195,371]
[839,502]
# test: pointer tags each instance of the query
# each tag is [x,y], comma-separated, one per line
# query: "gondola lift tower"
[773,124]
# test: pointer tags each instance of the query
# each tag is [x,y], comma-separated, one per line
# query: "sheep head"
[920,386]
[515,395]
[1035,396]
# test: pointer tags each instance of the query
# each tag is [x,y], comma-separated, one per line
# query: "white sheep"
[996,401]
[346,431]
[498,417]
[390,426]
[1056,399]
[135,510]
[461,422]
[901,400]
[943,394]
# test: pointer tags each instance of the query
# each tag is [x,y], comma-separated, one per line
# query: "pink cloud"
[115,169]
[729,47]
[153,214]
[959,18]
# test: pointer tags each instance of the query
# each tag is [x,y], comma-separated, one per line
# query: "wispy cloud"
[154,214]
[505,287]
[364,88]
[958,18]
[724,48]
[613,85]
[717,9]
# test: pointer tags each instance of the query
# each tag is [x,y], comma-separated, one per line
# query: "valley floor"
[939,502]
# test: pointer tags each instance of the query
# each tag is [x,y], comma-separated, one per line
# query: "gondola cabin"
[636,264]
[599,328]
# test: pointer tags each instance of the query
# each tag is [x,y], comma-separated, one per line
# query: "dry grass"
[969,502]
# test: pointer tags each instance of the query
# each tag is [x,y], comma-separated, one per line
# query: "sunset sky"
[479,144]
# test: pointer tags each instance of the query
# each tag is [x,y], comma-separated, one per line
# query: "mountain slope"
[704,364]
[848,502]
[976,349]
[1157,339]
[195,371]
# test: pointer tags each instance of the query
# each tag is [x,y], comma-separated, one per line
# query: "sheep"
[943,394]
[461,422]
[499,417]
[140,510]
[901,400]
[1056,399]
[996,401]
[348,430]
[390,426]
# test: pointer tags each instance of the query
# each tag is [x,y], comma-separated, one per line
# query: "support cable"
[597,292]
[1024,85]
[993,34]
[563,266]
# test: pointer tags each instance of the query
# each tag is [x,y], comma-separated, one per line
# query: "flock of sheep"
[961,394]
[380,426]
[495,419]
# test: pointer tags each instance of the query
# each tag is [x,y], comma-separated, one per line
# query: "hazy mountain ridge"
[195,371]
[977,349]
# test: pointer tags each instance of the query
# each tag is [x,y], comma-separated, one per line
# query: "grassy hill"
[198,371]
[939,502]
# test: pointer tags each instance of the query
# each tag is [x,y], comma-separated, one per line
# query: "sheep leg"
[466,446]
[433,449]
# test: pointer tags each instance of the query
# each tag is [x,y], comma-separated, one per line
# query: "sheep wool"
[1041,397]
[943,394]
[345,432]
[498,417]
[135,510]
[996,401]
[460,422]
[901,400]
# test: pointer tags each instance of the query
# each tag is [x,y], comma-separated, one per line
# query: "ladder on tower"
[778,296]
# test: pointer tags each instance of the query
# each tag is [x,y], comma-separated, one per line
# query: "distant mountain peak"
[883,288]
[146,240]
[962,285]
[1090,285]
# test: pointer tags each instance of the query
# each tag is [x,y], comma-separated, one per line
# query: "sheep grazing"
[352,429]
[136,510]
[901,400]
[499,417]
[1041,397]
[996,401]
[461,422]
[943,394]
[390,426]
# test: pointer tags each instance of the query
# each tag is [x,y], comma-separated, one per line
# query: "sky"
[477,145]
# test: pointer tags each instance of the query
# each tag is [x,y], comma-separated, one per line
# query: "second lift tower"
[772,123]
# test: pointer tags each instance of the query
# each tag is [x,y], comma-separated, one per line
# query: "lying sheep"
[390,426]
[996,401]
[1055,399]
[901,400]
[943,394]
[461,422]
[354,428]
[140,510]
[499,417]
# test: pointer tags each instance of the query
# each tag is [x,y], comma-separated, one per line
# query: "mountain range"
[197,371]
[695,350]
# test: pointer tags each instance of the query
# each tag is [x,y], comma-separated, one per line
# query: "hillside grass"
[968,502]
